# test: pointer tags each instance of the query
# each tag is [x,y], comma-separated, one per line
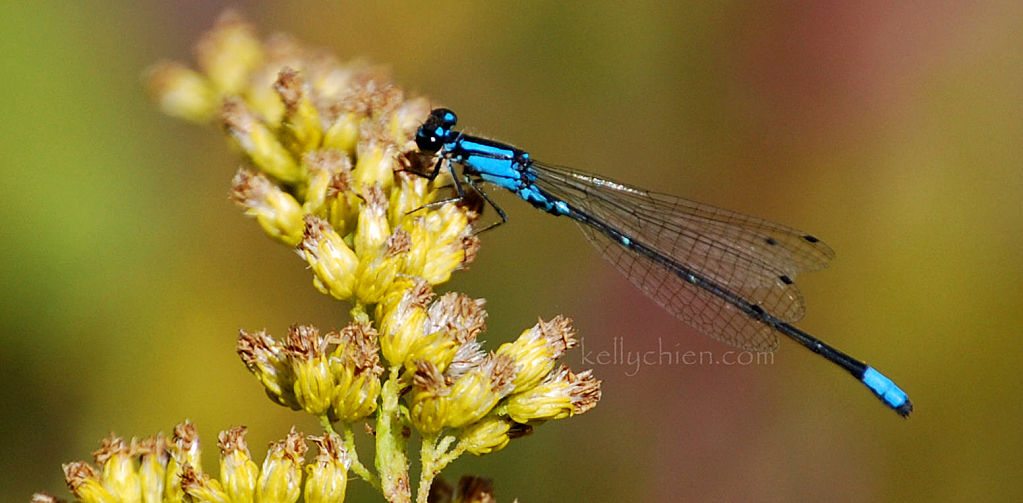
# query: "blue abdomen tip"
[887,391]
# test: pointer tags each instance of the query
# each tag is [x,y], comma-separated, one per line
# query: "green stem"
[325,424]
[426,457]
[444,459]
[392,444]
[358,313]
[435,457]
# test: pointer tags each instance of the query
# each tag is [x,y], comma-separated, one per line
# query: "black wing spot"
[785,279]
[771,241]
[811,239]
[756,309]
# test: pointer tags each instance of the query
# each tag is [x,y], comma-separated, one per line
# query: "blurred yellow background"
[892,132]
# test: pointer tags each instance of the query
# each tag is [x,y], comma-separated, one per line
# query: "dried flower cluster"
[155,469]
[330,171]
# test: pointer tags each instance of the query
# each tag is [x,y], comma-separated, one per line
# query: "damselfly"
[726,274]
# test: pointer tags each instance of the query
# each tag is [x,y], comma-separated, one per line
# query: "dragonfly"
[728,275]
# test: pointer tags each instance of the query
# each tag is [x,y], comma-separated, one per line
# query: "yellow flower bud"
[378,270]
[201,488]
[119,475]
[277,212]
[412,193]
[229,53]
[300,125]
[438,246]
[428,400]
[373,228]
[327,476]
[238,472]
[314,381]
[328,195]
[406,119]
[83,480]
[259,142]
[343,133]
[559,396]
[184,450]
[265,357]
[280,479]
[153,459]
[536,350]
[402,315]
[356,366]
[488,435]
[474,394]
[376,164]
[330,258]
[182,93]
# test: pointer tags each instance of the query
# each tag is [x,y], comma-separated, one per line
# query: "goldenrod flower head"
[199,486]
[377,162]
[403,204]
[381,252]
[439,401]
[428,400]
[343,133]
[183,452]
[452,321]
[328,144]
[327,475]
[261,146]
[182,92]
[280,479]
[184,449]
[373,228]
[277,212]
[238,472]
[440,244]
[402,316]
[229,53]
[491,434]
[301,129]
[265,357]
[119,475]
[336,375]
[329,191]
[537,349]
[560,395]
[84,482]
[332,261]
[153,460]
[476,392]
[469,356]
[488,435]
[356,367]
[314,382]
[127,468]
[459,314]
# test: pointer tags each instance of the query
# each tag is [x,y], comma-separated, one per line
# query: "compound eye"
[445,118]
[432,134]
[428,139]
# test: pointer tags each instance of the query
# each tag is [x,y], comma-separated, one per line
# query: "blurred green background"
[890,130]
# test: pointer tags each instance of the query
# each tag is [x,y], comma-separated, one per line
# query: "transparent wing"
[752,258]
